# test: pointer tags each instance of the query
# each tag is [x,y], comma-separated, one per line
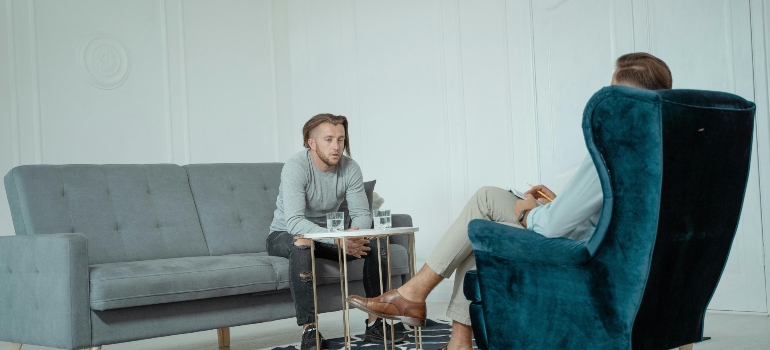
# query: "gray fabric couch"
[105,254]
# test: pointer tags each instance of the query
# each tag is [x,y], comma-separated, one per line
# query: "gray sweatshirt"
[306,194]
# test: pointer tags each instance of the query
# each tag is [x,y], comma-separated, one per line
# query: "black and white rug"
[434,335]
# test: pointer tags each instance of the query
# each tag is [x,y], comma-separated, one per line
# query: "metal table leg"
[390,287]
[379,267]
[340,256]
[315,294]
[346,311]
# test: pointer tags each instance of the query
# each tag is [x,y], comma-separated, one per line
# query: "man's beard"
[326,159]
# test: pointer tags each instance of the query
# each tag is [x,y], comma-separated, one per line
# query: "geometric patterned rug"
[434,335]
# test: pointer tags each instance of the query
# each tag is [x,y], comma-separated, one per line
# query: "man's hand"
[524,204]
[355,246]
[539,197]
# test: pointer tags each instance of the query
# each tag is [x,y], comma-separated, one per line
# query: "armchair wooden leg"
[15,346]
[224,337]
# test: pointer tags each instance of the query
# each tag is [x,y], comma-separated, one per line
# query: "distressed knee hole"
[302,243]
[306,277]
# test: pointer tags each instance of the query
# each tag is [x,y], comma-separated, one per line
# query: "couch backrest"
[127,212]
[235,204]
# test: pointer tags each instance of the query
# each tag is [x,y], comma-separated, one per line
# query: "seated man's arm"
[581,199]
[358,204]
[294,188]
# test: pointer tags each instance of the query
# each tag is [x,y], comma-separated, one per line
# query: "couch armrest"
[518,244]
[44,290]
[400,220]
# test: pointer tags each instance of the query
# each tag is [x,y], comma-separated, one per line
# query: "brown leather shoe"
[393,306]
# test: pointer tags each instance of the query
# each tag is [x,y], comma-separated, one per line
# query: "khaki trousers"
[454,251]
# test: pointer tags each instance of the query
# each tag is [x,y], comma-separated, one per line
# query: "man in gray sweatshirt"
[314,182]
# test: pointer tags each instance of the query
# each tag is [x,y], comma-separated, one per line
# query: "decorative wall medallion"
[104,61]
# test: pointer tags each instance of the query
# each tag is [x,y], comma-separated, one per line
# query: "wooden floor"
[728,331]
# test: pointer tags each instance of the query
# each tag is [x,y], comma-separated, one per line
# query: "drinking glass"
[382,219]
[335,222]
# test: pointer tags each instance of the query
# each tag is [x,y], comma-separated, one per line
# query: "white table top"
[362,233]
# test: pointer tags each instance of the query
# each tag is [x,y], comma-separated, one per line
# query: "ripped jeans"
[281,243]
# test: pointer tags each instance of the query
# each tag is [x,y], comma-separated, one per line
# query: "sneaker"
[374,333]
[308,339]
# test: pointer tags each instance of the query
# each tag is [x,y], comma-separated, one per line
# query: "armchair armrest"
[514,243]
[44,290]
[522,276]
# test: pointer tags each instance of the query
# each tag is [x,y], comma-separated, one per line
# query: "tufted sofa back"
[127,212]
[235,204]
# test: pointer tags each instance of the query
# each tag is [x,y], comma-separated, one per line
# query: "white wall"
[444,96]
[203,82]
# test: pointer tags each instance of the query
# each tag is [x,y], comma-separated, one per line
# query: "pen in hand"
[541,193]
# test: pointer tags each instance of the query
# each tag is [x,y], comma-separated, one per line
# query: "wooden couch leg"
[224,337]
[15,346]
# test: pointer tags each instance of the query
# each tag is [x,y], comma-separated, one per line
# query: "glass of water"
[382,219]
[335,222]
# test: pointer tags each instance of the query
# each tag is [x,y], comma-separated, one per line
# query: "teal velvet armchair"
[645,278]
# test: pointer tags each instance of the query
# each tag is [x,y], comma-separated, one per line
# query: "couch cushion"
[126,284]
[235,204]
[127,212]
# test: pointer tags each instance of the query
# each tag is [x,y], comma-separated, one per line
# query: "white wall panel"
[27,92]
[283,88]
[453,98]
[9,150]
[489,128]
[83,123]
[230,81]
[300,71]
[325,58]
[760,16]
[401,116]
[575,47]
[175,69]
[524,112]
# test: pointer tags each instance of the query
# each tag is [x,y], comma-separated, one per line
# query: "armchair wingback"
[644,279]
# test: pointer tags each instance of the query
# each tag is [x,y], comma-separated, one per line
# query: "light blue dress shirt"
[574,213]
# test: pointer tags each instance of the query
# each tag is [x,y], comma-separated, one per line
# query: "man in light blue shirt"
[572,215]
